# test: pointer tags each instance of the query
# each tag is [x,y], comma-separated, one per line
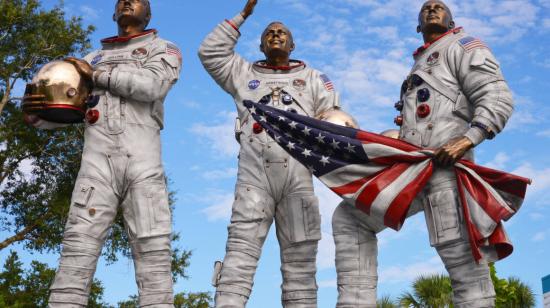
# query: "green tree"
[435,291]
[385,302]
[511,292]
[181,300]
[33,203]
[38,168]
[21,288]
[428,292]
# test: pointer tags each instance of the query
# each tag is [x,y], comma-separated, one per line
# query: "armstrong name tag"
[277,83]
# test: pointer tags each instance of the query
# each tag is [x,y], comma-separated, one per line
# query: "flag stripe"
[397,211]
[370,192]
[382,176]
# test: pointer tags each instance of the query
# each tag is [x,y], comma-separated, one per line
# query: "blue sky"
[365,46]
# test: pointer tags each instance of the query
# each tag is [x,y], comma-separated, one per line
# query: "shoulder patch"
[470,43]
[172,49]
[326,82]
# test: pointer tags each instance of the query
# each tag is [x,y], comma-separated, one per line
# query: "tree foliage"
[21,288]
[385,302]
[181,300]
[429,292]
[511,292]
[435,292]
[31,36]
[38,168]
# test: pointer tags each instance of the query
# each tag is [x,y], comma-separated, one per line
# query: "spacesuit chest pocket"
[443,217]
[114,114]
[304,218]
[150,211]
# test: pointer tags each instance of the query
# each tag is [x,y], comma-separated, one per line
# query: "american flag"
[382,176]
[326,81]
[172,49]
[470,43]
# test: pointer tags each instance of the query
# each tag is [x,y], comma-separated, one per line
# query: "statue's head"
[276,40]
[435,17]
[132,12]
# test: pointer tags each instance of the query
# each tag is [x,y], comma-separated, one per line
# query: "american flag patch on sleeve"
[327,83]
[172,49]
[471,43]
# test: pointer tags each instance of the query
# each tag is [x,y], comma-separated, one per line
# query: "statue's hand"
[249,8]
[83,67]
[453,151]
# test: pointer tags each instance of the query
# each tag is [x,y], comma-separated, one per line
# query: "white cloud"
[220,206]
[221,136]
[544,133]
[326,251]
[499,162]
[327,283]
[219,174]
[406,273]
[191,104]
[89,12]
[539,190]
[536,216]
[540,236]
[328,201]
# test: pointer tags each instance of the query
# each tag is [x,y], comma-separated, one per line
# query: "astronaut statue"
[454,98]
[121,163]
[270,184]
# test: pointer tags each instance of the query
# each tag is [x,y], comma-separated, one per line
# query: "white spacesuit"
[270,183]
[455,89]
[121,166]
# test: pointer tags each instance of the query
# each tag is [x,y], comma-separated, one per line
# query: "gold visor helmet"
[57,93]
[338,117]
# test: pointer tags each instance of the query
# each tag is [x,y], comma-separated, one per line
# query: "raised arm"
[217,51]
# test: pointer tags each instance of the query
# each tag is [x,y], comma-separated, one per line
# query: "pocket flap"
[82,195]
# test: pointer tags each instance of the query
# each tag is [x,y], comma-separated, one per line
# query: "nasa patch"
[96,59]
[433,58]
[253,84]
[299,84]
[139,53]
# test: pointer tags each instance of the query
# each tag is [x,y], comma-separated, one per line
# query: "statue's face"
[435,15]
[132,11]
[276,40]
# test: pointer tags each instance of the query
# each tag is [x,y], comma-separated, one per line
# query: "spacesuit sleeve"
[483,84]
[326,97]
[218,56]
[149,83]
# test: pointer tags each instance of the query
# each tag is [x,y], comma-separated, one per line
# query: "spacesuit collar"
[143,36]
[294,66]
[427,45]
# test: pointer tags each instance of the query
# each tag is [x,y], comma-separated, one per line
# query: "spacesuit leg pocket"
[148,213]
[443,217]
[81,198]
[304,218]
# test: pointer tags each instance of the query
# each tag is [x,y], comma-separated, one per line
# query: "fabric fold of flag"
[382,176]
